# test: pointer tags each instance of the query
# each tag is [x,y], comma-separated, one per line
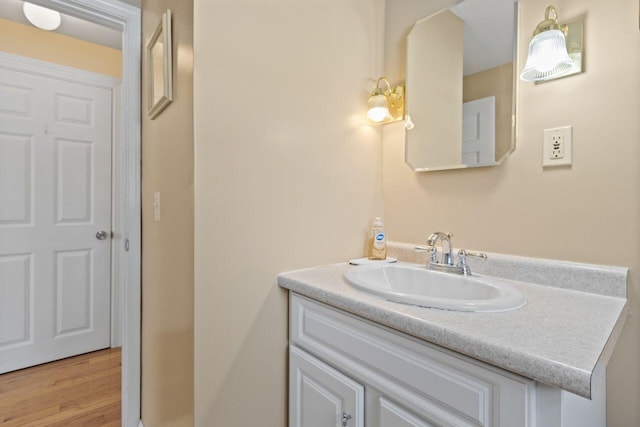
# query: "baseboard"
[140,424]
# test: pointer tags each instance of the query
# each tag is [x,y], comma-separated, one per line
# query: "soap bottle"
[377,247]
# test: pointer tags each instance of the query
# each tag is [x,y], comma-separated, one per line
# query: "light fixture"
[548,57]
[42,17]
[385,105]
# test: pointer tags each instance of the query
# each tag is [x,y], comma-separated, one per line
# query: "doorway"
[126,157]
[56,138]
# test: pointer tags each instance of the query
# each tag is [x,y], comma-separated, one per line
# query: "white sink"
[416,285]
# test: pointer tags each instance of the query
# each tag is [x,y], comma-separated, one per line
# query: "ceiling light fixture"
[42,17]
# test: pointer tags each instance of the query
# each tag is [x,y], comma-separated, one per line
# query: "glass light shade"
[547,57]
[42,17]
[378,109]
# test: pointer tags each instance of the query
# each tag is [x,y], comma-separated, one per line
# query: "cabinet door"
[320,396]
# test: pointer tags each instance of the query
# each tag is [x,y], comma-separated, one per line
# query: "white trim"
[126,18]
[118,253]
[74,75]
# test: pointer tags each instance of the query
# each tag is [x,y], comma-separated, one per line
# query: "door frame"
[127,19]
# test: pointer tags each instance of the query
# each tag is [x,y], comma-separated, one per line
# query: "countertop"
[557,338]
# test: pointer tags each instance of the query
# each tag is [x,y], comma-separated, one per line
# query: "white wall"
[287,176]
[589,212]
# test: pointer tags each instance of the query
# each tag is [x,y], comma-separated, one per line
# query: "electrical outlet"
[557,147]
[156,206]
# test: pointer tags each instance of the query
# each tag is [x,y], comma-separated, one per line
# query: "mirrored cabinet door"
[460,88]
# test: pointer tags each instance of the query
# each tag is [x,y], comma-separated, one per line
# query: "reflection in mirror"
[460,88]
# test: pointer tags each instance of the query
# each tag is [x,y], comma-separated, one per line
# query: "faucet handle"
[464,253]
[462,260]
[433,256]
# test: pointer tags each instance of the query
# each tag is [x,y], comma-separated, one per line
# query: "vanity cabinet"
[341,364]
[348,371]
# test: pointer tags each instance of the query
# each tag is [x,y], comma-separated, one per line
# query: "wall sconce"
[41,17]
[385,105]
[548,57]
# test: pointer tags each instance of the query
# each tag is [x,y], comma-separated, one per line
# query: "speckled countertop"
[557,338]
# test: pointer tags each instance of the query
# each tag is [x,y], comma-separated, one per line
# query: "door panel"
[16,190]
[73,110]
[73,296]
[15,300]
[15,100]
[55,195]
[74,178]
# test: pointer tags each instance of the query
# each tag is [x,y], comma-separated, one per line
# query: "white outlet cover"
[548,158]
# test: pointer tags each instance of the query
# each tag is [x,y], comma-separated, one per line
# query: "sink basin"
[417,285]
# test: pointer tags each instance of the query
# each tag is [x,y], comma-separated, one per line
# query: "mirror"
[460,86]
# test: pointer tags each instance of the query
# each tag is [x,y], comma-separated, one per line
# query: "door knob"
[101,235]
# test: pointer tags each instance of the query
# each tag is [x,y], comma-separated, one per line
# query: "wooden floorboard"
[79,391]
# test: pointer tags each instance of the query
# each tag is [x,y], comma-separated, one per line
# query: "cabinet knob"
[345,419]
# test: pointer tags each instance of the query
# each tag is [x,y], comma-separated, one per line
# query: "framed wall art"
[159,68]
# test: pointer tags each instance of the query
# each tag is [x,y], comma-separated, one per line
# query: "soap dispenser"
[377,247]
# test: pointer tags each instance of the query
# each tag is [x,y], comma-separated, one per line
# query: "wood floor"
[78,391]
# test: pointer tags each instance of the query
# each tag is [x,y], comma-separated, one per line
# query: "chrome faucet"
[447,255]
[446,261]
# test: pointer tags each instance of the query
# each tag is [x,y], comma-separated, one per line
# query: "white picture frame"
[159,67]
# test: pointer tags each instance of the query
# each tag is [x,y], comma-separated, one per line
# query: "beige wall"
[498,82]
[25,40]
[589,212]
[287,176]
[167,245]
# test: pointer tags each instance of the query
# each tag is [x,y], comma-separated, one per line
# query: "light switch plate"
[557,147]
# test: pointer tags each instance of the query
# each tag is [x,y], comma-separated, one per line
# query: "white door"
[478,132]
[320,396]
[55,195]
